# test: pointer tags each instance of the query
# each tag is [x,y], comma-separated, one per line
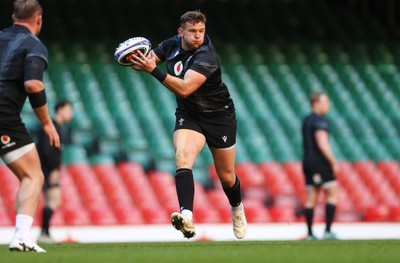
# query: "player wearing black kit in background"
[23,59]
[205,114]
[319,163]
[51,159]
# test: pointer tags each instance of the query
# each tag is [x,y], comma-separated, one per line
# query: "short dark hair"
[24,9]
[62,104]
[315,96]
[193,17]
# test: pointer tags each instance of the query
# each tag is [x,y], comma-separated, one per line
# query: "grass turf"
[365,251]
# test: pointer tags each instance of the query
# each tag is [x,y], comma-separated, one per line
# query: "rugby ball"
[126,50]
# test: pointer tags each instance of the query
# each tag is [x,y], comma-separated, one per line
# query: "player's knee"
[184,159]
[227,179]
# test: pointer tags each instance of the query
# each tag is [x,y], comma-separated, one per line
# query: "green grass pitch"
[244,251]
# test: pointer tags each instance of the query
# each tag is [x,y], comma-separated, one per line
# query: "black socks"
[185,188]
[329,214]
[47,213]
[234,193]
[309,214]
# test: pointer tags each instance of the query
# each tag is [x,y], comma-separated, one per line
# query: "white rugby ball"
[126,50]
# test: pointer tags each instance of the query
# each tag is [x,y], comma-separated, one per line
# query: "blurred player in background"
[205,114]
[319,163]
[50,159]
[23,59]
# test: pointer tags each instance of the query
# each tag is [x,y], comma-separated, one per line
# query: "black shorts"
[218,128]
[13,137]
[317,173]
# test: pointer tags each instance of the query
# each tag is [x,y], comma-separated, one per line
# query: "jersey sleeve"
[321,124]
[38,50]
[36,61]
[162,49]
[205,63]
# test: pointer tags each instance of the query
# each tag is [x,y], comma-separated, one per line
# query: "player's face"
[324,104]
[67,113]
[192,35]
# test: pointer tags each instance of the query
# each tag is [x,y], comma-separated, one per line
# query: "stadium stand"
[119,169]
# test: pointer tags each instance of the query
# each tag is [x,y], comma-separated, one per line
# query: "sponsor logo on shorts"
[6,141]
[181,120]
[317,179]
[224,138]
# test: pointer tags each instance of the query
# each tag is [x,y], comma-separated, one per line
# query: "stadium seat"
[394,213]
[5,220]
[76,216]
[377,213]
[219,200]
[282,214]
[250,175]
[391,171]
[128,215]
[163,184]
[256,212]
[294,171]
[206,215]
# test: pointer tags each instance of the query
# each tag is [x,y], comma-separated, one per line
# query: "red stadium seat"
[219,200]
[128,215]
[376,182]
[276,179]
[391,171]
[102,215]
[282,214]
[58,218]
[377,213]
[294,170]
[256,213]
[76,216]
[5,220]
[163,184]
[155,215]
[394,213]
[249,175]
[204,214]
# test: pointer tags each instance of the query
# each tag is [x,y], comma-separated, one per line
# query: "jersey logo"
[178,68]
[224,138]
[5,139]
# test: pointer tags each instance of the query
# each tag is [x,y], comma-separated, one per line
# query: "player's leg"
[224,162]
[332,195]
[52,196]
[311,201]
[25,164]
[187,144]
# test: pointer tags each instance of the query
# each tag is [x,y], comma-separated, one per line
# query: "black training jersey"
[17,46]
[311,124]
[213,95]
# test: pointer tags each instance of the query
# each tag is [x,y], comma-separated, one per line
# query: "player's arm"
[34,87]
[182,87]
[322,139]
[186,86]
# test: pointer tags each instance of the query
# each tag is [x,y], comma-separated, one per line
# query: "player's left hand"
[335,168]
[52,133]
[143,63]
